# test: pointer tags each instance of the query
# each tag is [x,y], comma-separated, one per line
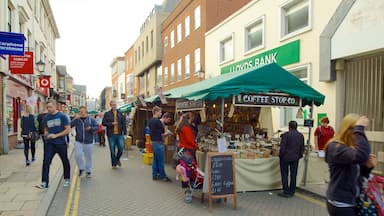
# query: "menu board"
[221,176]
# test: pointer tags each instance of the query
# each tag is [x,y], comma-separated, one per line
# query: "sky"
[93,33]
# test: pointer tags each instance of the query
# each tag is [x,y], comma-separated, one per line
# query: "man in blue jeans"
[116,130]
[56,128]
[156,127]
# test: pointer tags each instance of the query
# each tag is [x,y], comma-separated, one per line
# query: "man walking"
[116,130]
[85,128]
[157,131]
[56,128]
[291,150]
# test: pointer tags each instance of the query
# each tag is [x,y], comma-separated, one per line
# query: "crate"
[147,158]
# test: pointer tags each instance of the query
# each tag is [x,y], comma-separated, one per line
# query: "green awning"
[268,78]
[93,112]
[125,108]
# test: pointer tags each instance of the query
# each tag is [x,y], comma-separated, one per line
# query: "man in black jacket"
[116,130]
[291,150]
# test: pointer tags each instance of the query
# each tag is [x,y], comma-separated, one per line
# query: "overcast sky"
[93,32]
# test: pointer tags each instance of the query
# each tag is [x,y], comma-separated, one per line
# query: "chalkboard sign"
[221,176]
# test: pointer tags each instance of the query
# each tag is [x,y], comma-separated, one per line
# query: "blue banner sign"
[11,43]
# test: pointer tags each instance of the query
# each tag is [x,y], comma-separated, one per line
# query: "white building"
[118,66]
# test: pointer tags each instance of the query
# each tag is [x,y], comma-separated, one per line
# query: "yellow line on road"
[70,193]
[312,200]
[77,197]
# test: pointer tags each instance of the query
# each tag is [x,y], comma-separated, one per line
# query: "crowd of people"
[347,152]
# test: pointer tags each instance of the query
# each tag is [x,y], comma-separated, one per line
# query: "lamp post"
[40,66]
[201,73]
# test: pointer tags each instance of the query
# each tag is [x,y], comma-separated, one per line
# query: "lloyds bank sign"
[283,55]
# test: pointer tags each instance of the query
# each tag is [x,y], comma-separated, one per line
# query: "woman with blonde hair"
[348,158]
[28,132]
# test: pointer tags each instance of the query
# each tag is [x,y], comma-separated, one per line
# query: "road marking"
[312,200]
[77,197]
[70,193]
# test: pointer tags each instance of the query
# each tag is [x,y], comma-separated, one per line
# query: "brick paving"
[130,190]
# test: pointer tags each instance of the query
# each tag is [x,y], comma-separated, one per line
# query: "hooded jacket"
[82,135]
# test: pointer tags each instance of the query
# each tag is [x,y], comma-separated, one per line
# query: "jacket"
[108,122]
[187,138]
[291,146]
[82,135]
[346,165]
[27,125]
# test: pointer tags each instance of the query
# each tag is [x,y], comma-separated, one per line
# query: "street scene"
[179,107]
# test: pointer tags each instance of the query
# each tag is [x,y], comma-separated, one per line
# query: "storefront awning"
[125,108]
[265,79]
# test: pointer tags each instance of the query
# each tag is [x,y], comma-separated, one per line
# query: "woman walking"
[28,132]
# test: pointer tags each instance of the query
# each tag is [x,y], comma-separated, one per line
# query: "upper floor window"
[179,35]
[172,39]
[151,39]
[187,26]
[165,76]
[165,44]
[197,17]
[197,60]
[172,73]
[254,35]
[10,20]
[226,49]
[142,49]
[179,74]
[296,17]
[146,44]
[158,76]
[187,67]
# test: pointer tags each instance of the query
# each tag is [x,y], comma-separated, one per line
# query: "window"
[9,19]
[172,73]
[179,70]
[165,44]
[197,61]
[197,17]
[226,49]
[139,54]
[135,56]
[158,76]
[186,26]
[289,113]
[295,16]
[151,39]
[254,35]
[146,44]
[179,36]
[142,49]
[165,76]
[187,67]
[172,39]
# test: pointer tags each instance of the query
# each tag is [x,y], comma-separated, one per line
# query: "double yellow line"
[74,203]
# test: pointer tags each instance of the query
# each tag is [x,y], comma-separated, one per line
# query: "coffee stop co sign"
[266,100]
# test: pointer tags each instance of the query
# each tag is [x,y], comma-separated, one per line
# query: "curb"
[45,203]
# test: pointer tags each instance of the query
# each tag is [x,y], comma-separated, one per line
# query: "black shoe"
[285,195]
[155,178]
[166,179]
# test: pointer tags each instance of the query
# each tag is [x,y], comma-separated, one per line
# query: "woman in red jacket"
[186,134]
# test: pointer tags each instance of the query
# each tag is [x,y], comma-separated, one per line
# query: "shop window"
[289,113]
[295,17]
[254,35]
[9,114]
[226,49]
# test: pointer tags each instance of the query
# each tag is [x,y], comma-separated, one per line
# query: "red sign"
[45,82]
[21,64]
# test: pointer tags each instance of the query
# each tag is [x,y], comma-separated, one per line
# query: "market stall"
[234,105]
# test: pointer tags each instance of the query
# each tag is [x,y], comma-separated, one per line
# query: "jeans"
[292,165]
[84,151]
[338,211]
[158,160]
[49,152]
[116,141]
[26,148]
[96,138]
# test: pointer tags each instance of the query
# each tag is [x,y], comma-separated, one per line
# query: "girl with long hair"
[186,134]
[28,132]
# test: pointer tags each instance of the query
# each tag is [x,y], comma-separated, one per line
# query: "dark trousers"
[337,211]
[49,152]
[102,138]
[292,167]
[29,143]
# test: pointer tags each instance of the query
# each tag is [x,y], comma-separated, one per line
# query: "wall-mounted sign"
[21,64]
[185,105]
[282,55]
[11,43]
[265,100]
[45,82]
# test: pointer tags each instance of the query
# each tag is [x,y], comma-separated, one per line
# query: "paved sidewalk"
[18,194]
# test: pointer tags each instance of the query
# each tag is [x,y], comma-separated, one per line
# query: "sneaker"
[33,159]
[67,183]
[43,185]
[119,163]
[166,179]
[88,175]
[27,162]
[81,173]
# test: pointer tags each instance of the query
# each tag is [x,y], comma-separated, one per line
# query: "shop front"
[236,117]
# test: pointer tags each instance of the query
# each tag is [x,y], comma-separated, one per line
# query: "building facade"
[79,96]
[118,66]
[105,98]
[129,92]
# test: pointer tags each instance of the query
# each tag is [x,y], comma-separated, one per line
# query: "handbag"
[370,201]
[100,129]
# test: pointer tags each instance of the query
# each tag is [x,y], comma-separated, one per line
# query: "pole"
[222,115]
[307,148]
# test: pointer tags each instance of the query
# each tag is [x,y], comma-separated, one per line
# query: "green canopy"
[93,112]
[125,108]
[265,79]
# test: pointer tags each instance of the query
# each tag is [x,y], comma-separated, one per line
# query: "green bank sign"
[282,55]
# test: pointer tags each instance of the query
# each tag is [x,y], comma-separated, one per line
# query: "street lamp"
[201,73]
[40,66]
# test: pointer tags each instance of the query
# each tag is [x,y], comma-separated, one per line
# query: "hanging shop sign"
[21,64]
[265,100]
[45,82]
[187,105]
[282,55]
[11,43]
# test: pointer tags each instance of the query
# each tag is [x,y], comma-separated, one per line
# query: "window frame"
[284,9]
[187,66]
[230,37]
[254,23]
[197,62]
[179,34]
[165,76]
[172,38]
[187,26]
[172,81]
[179,70]
[197,17]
